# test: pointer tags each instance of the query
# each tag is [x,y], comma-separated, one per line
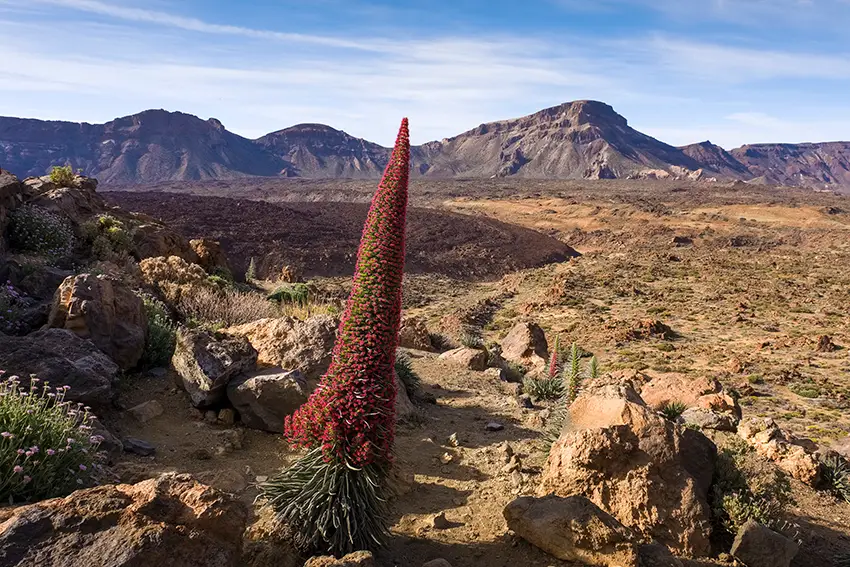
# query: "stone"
[290,343]
[105,311]
[111,444]
[211,256]
[842,447]
[796,456]
[524,401]
[205,364]
[572,529]
[440,522]
[494,426]
[758,546]
[470,358]
[155,240]
[61,358]
[171,520]
[404,408]
[264,398]
[707,419]
[663,389]
[437,563]
[356,559]
[235,438]
[11,196]
[825,344]
[138,447]
[227,416]
[526,344]
[227,480]
[146,411]
[651,475]
[413,333]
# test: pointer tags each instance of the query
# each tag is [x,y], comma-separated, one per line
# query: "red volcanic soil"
[321,238]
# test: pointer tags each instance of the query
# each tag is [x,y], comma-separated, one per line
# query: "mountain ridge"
[582,139]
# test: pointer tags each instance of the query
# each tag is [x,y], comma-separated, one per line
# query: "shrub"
[836,476]
[225,307]
[162,336]
[334,499]
[33,229]
[251,272]
[543,388]
[572,374]
[441,342]
[298,294]
[672,410]
[471,339]
[46,446]
[11,309]
[62,175]
[108,237]
[745,488]
[408,376]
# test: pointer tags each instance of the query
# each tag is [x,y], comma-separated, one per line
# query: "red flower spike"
[351,415]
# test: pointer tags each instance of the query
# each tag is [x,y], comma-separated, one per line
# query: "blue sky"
[732,71]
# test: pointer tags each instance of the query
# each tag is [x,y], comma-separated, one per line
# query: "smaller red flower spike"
[351,415]
[553,361]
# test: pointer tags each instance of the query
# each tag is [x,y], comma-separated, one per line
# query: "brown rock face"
[153,240]
[105,311]
[171,520]
[77,202]
[414,334]
[61,358]
[291,343]
[798,457]
[211,257]
[573,529]
[651,475]
[666,388]
[526,344]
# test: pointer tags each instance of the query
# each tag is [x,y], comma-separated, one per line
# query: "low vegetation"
[162,336]
[39,231]
[672,410]
[62,175]
[47,448]
[11,309]
[225,307]
[108,237]
[404,368]
[836,476]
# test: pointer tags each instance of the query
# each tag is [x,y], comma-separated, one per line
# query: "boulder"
[264,398]
[650,474]
[11,195]
[153,240]
[61,358]
[107,312]
[291,343]
[526,344]
[573,529]
[356,559]
[413,333]
[470,358]
[205,364]
[707,419]
[758,546]
[662,389]
[796,456]
[210,255]
[170,520]
[146,411]
[35,280]
[404,408]
[77,202]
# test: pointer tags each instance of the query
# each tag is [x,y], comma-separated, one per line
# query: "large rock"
[291,343]
[37,281]
[796,456]
[11,196]
[107,312]
[205,364]
[758,546]
[662,389]
[413,333]
[211,256]
[573,529]
[650,474]
[404,408]
[61,358]
[153,240]
[470,358]
[263,399]
[77,202]
[526,344]
[172,520]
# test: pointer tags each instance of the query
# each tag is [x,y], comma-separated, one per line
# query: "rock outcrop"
[210,255]
[291,343]
[105,311]
[264,398]
[526,344]
[470,358]
[205,364]
[650,474]
[171,520]
[413,333]
[798,457]
[61,358]
[707,404]
[78,201]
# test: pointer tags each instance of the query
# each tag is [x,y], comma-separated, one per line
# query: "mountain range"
[576,140]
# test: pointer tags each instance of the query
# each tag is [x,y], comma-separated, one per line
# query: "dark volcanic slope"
[321,239]
[817,165]
[716,159]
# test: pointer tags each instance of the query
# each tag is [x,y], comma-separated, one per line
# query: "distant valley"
[575,140]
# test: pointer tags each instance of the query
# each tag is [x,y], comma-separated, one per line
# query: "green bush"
[46,446]
[836,476]
[251,272]
[408,376]
[543,388]
[672,410]
[108,237]
[471,339]
[33,229]
[745,488]
[162,336]
[299,294]
[62,175]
